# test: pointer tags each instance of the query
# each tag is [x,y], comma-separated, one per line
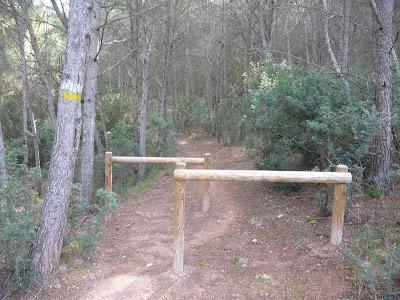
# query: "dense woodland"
[305,84]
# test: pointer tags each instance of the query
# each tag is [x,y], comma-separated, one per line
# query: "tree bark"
[287,34]
[345,37]
[332,57]
[167,51]
[3,170]
[266,22]
[90,98]
[21,28]
[381,160]
[143,104]
[45,252]
[134,32]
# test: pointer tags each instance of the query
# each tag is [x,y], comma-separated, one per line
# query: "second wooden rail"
[340,178]
[110,160]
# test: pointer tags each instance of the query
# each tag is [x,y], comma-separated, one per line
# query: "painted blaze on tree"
[45,253]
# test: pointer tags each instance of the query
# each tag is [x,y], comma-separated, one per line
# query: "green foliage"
[375,257]
[192,115]
[300,118]
[17,232]
[373,192]
[121,141]
[161,136]
[230,120]
[112,107]
[84,228]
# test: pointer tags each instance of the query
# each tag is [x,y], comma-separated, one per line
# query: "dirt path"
[254,244]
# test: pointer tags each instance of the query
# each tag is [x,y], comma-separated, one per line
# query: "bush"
[230,120]
[161,136]
[82,233]
[300,119]
[192,115]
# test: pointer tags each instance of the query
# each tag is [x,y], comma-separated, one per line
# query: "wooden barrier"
[110,160]
[340,178]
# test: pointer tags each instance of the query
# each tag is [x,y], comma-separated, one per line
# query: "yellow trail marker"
[72,96]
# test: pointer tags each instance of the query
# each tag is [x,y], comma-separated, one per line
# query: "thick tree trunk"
[143,104]
[45,252]
[90,97]
[381,160]
[332,57]
[3,170]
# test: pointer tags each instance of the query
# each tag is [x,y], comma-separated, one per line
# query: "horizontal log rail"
[110,160]
[340,178]
[157,160]
[267,176]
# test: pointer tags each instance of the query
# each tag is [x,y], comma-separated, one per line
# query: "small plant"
[375,257]
[373,192]
[83,232]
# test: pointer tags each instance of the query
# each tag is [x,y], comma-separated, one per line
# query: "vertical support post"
[339,205]
[206,185]
[108,172]
[180,189]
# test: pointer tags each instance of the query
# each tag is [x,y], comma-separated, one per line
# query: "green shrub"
[230,120]
[373,192]
[300,118]
[82,233]
[192,115]
[161,137]
[17,233]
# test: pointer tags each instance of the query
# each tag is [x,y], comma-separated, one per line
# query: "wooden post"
[339,204]
[108,172]
[206,185]
[180,187]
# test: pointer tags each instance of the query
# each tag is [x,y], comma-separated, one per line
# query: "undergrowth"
[375,256]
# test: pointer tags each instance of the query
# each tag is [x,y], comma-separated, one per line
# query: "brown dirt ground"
[255,243]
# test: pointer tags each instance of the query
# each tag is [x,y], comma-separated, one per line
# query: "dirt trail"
[254,244]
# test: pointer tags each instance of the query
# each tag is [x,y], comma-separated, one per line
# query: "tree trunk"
[20,24]
[143,104]
[3,170]
[99,144]
[381,160]
[35,142]
[90,97]
[266,22]
[167,51]
[396,64]
[39,61]
[41,65]
[287,34]
[45,252]
[20,20]
[134,31]
[332,57]
[345,37]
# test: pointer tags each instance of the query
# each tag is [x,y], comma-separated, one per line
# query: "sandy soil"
[255,243]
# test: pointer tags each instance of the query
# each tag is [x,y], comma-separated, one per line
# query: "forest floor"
[255,243]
